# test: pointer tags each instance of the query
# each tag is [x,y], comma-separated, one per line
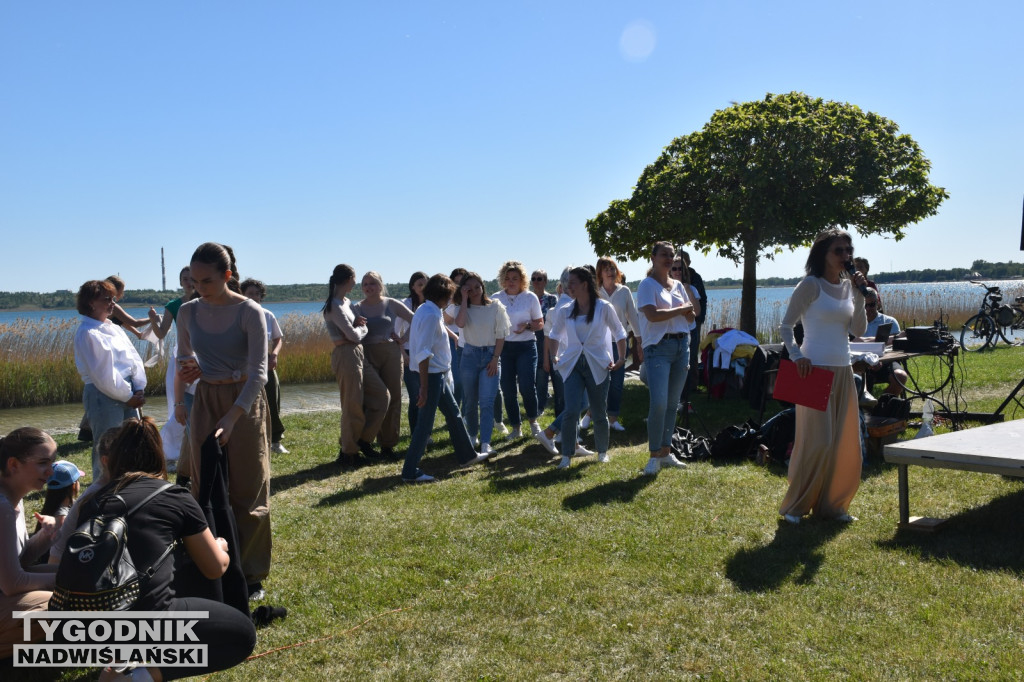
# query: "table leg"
[904,496]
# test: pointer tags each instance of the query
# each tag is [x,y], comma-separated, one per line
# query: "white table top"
[995,448]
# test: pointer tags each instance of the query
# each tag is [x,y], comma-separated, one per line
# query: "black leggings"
[230,634]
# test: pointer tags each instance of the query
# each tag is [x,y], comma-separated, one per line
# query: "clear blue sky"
[410,136]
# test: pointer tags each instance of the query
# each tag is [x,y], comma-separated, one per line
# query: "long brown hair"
[137,452]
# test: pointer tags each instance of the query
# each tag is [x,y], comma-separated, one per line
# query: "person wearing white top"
[519,355]
[583,334]
[26,462]
[824,469]
[110,367]
[483,325]
[410,375]
[621,299]
[256,290]
[430,353]
[456,277]
[666,311]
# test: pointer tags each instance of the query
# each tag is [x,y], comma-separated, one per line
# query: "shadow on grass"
[549,475]
[368,486]
[794,549]
[518,458]
[985,538]
[293,480]
[608,493]
[66,450]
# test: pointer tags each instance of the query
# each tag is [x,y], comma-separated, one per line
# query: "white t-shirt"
[484,325]
[650,292]
[523,307]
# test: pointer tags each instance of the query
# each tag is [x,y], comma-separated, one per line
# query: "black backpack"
[96,572]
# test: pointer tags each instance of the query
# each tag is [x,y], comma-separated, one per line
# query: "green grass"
[515,570]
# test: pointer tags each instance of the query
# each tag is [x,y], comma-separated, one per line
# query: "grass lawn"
[516,570]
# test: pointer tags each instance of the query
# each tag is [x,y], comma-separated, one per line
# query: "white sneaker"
[516,434]
[480,457]
[582,451]
[602,457]
[422,478]
[501,429]
[653,466]
[564,463]
[585,422]
[546,442]
[791,518]
[486,449]
[557,438]
[616,426]
[535,428]
[670,461]
[278,448]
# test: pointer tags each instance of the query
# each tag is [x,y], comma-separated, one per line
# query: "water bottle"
[927,415]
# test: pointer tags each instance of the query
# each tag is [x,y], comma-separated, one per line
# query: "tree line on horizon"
[287,293]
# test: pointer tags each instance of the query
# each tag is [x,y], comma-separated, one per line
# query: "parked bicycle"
[994,320]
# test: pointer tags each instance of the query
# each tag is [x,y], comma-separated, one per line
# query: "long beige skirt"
[824,469]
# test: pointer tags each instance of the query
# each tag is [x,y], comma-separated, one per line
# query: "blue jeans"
[439,396]
[582,379]
[618,379]
[519,366]
[478,390]
[412,387]
[104,413]
[667,363]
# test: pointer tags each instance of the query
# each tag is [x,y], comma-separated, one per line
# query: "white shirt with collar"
[593,341]
[428,338]
[107,359]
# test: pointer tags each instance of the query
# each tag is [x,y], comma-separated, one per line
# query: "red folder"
[811,391]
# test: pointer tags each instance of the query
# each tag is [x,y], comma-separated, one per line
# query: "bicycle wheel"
[977,333]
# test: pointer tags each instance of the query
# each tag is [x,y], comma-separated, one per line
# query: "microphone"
[850,269]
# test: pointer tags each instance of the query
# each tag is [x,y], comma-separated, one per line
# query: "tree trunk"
[748,303]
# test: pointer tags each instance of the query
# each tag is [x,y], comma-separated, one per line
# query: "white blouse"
[593,341]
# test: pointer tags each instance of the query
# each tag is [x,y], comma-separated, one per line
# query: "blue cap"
[64,474]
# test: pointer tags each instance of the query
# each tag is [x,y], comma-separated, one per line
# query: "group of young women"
[498,347]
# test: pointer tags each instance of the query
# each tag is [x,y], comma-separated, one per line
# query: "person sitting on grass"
[26,463]
[430,353]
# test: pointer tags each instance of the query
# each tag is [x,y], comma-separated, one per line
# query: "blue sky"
[424,136]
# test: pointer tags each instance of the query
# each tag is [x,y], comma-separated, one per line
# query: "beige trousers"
[248,453]
[386,359]
[364,398]
[824,469]
[12,629]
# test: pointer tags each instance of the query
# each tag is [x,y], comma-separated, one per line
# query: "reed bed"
[37,364]
[910,308]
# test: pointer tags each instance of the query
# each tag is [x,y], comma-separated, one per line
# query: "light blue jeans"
[104,413]
[579,385]
[478,390]
[667,363]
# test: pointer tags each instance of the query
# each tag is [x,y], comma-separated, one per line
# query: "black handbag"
[96,572]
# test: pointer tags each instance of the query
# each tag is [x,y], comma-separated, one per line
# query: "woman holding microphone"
[824,469]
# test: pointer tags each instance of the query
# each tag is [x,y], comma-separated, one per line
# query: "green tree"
[767,176]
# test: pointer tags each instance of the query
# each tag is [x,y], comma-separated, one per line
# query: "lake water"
[767,298]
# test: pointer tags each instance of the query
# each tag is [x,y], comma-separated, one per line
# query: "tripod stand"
[1011,398]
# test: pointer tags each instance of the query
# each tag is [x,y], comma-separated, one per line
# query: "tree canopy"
[765,176]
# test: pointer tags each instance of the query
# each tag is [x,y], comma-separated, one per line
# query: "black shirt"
[170,516]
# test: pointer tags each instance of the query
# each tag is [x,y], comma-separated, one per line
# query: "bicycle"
[994,320]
